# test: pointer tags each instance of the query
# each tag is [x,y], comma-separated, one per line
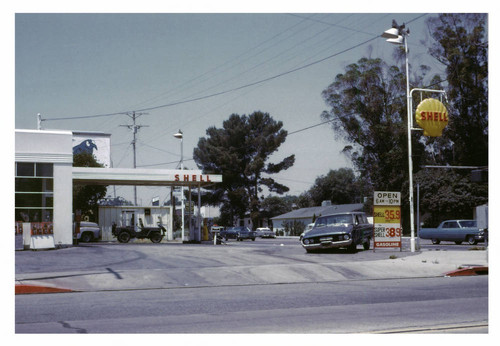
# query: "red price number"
[393,232]
[393,214]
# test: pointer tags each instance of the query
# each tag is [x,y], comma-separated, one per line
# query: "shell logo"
[432,116]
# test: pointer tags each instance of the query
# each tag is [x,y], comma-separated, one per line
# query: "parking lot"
[146,255]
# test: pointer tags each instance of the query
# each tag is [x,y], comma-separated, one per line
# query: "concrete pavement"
[421,264]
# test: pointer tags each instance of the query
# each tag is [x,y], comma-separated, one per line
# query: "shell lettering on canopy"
[432,116]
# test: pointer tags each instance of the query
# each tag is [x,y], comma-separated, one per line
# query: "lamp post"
[180,136]
[398,34]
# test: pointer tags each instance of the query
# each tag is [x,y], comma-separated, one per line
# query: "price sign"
[387,221]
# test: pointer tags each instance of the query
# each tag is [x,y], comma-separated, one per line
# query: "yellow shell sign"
[432,116]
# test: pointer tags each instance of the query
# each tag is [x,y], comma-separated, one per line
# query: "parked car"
[265,232]
[229,233]
[341,230]
[125,233]
[457,231]
[239,233]
[89,231]
[308,228]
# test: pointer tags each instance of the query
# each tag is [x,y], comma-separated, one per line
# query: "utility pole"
[134,127]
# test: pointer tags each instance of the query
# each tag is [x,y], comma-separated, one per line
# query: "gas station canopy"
[140,176]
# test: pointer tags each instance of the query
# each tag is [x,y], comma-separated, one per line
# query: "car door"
[450,231]
[361,228]
[367,227]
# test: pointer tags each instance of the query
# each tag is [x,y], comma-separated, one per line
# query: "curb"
[33,289]
[468,271]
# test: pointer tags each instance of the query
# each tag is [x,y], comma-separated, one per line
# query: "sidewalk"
[422,264]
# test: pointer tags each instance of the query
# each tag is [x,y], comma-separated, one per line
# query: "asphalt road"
[357,305]
[365,306]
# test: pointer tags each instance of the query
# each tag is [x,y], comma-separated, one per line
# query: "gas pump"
[215,230]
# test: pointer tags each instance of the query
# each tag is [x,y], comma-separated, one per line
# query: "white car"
[265,232]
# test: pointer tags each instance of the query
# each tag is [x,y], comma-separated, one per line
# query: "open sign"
[387,198]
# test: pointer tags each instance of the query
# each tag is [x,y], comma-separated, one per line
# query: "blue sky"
[78,65]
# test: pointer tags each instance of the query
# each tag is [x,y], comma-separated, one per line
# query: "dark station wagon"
[342,230]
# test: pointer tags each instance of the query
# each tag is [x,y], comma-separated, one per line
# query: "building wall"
[278,224]
[248,223]
[63,204]
[52,147]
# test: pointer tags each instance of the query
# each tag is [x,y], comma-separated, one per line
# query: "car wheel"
[86,237]
[253,239]
[458,242]
[124,237]
[436,241]
[366,245]
[156,237]
[352,248]
[471,240]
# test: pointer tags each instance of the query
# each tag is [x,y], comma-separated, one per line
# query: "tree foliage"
[86,197]
[293,227]
[448,195]
[337,186]
[240,150]
[460,43]
[273,206]
[368,110]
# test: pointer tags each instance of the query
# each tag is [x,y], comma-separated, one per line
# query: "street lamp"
[398,34]
[180,136]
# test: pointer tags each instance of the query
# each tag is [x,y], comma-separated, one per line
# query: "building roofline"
[331,209]
[57,132]
[91,133]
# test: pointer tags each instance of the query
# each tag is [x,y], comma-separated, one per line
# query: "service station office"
[44,178]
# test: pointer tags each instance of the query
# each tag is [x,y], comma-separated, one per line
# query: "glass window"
[36,200]
[25,169]
[44,170]
[34,192]
[34,185]
[468,223]
[33,215]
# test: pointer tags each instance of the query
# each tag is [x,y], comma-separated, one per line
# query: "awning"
[141,176]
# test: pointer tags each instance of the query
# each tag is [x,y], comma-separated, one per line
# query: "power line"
[330,24]
[310,127]
[225,91]
[224,66]
[164,163]
[229,90]
[310,48]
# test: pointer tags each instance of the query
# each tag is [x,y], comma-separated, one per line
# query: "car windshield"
[468,223]
[237,229]
[333,220]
